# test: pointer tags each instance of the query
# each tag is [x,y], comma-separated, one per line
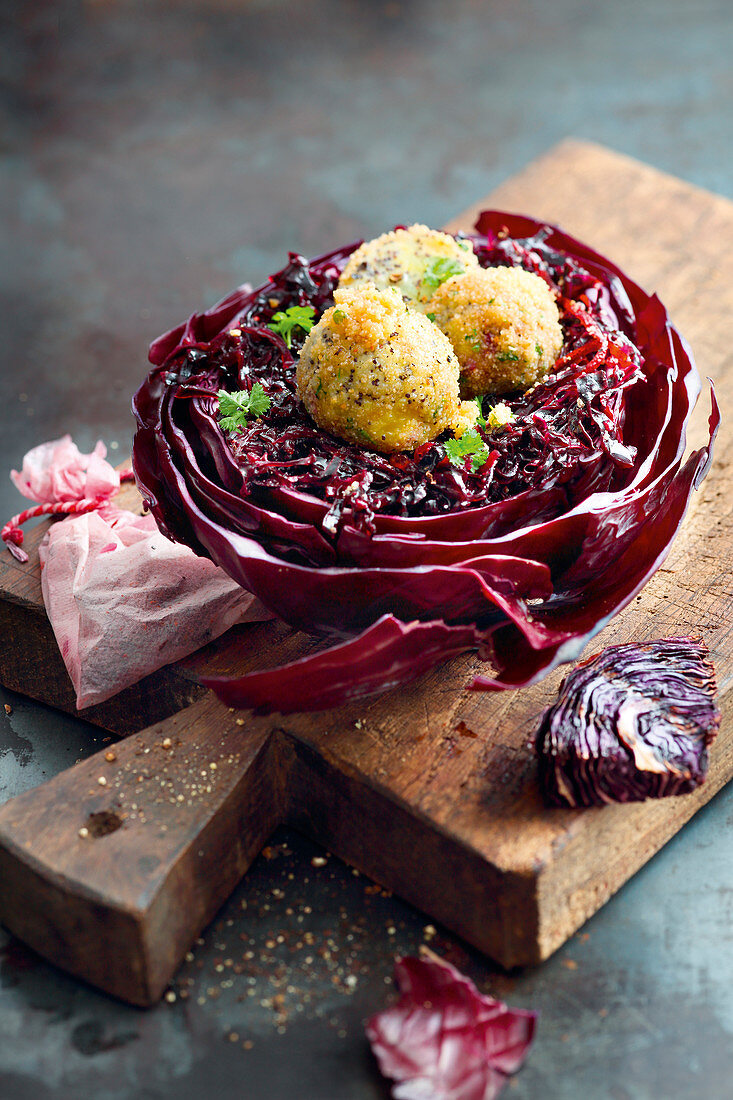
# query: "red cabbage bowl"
[405,560]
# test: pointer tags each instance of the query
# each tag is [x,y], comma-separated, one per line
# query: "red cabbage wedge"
[630,723]
[407,559]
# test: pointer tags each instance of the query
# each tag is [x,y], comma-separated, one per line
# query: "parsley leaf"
[471,444]
[302,317]
[437,271]
[511,355]
[235,408]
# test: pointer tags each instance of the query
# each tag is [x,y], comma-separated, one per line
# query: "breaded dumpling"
[414,261]
[504,326]
[379,374]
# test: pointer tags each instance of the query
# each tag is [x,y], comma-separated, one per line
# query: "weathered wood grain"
[108,867]
[431,790]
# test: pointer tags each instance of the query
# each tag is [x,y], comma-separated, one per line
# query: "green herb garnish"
[480,418]
[474,339]
[339,316]
[357,430]
[438,271]
[236,408]
[471,444]
[430,316]
[302,317]
[510,356]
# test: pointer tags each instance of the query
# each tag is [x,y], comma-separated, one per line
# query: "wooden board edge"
[126,933]
[578,150]
[571,890]
[370,830]
[36,910]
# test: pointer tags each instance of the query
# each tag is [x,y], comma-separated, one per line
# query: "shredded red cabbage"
[574,508]
[443,1040]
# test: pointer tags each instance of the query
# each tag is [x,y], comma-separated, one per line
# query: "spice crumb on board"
[281,956]
[8,708]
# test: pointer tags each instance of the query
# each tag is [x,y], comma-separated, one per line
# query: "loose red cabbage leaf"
[385,655]
[443,1040]
[334,540]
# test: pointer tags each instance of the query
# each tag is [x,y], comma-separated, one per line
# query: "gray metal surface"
[153,156]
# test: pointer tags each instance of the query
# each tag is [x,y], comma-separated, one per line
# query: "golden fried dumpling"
[380,374]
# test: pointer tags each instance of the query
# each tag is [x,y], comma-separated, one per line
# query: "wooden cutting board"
[112,868]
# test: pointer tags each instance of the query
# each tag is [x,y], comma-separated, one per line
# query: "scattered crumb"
[102,781]
[110,757]
[569,964]
[8,708]
[319,861]
[83,832]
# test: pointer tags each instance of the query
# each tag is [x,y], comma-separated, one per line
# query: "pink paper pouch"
[123,600]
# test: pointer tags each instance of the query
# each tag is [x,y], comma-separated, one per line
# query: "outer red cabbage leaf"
[535,570]
[385,655]
[443,1040]
[630,723]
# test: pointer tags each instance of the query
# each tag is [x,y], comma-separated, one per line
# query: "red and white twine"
[12,534]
